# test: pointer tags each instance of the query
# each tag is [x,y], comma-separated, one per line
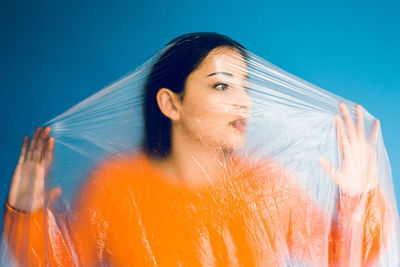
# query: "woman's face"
[216,106]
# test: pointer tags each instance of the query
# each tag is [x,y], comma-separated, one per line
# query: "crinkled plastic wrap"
[276,182]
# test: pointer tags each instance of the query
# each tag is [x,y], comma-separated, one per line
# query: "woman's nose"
[242,100]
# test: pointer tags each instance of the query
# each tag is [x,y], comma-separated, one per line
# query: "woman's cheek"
[207,118]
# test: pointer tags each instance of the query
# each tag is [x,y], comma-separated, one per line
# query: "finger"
[49,153]
[23,150]
[32,145]
[41,144]
[329,169]
[373,173]
[351,130]
[16,177]
[341,135]
[374,132]
[360,122]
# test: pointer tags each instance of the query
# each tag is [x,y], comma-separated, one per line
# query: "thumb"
[329,169]
[53,194]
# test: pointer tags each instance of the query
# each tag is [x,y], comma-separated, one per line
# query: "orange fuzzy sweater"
[130,214]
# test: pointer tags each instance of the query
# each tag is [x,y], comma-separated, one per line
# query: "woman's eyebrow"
[223,73]
[246,77]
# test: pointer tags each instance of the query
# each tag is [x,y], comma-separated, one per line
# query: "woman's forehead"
[223,60]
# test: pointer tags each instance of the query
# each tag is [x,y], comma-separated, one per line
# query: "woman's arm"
[359,231]
[26,227]
[363,218]
[36,233]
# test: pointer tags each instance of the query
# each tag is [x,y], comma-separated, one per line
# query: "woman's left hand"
[358,172]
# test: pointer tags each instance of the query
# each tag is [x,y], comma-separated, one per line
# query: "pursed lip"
[239,124]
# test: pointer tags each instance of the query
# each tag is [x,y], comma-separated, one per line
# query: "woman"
[170,205]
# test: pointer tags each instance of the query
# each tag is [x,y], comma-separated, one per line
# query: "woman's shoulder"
[112,177]
[119,169]
[109,186]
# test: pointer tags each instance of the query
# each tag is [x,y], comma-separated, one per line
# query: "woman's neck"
[194,163]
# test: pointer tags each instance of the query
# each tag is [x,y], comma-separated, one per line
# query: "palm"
[30,177]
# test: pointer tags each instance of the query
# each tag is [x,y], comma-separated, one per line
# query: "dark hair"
[182,56]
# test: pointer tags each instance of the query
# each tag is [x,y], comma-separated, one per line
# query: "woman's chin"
[234,143]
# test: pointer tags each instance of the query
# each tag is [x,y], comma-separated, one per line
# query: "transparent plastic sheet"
[259,192]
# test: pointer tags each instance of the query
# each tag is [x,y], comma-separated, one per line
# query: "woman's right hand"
[27,185]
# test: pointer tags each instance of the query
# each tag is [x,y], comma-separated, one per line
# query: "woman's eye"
[221,86]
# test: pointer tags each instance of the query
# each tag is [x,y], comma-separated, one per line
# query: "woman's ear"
[168,102]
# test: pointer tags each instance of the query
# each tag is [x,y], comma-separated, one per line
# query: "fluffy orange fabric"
[130,214]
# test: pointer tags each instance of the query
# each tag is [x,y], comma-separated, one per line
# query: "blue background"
[55,54]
